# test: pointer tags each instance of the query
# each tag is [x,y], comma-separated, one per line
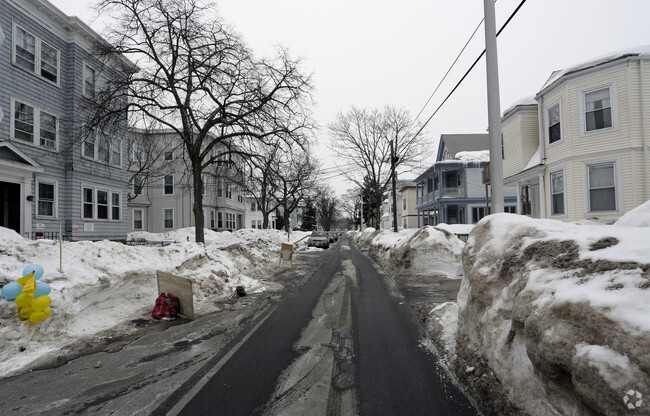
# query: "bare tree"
[351,206]
[295,178]
[362,140]
[196,78]
[327,207]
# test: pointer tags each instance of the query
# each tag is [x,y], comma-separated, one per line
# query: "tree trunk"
[197,208]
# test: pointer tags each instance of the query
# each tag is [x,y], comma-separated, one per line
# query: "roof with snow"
[640,52]
[523,102]
[451,144]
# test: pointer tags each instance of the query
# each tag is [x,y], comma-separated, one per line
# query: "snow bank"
[558,312]
[104,284]
[420,250]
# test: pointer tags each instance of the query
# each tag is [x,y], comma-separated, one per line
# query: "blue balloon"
[42,288]
[12,290]
[38,271]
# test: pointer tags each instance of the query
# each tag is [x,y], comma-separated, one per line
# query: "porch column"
[542,199]
[518,198]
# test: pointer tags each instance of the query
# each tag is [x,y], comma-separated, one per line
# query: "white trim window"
[89,81]
[102,148]
[168,186]
[138,219]
[33,125]
[602,187]
[168,218]
[35,55]
[219,220]
[598,107]
[101,204]
[169,155]
[554,125]
[557,193]
[46,197]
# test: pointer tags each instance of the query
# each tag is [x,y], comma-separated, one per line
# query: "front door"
[10,206]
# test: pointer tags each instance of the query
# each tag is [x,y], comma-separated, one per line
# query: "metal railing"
[42,235]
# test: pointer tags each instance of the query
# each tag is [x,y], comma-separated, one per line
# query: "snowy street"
[334,342]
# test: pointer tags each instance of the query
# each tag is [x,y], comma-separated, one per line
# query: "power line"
[470,69]
[448,71]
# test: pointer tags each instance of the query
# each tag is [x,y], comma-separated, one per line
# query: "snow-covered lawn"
[104,284]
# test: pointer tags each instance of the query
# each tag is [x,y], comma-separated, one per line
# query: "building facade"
[580,149]
[451,191]
[51,177]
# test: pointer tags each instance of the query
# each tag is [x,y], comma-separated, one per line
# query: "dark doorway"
[10,206]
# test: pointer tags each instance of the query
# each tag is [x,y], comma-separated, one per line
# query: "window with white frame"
[138,219]
[89,81]
[102,148]
[478,213]
[35,55]
[169,155]
[598,110]
[168,218]
[601,185]
[404,204]
[138,184]
[45,198]
[228,193]
[219,220]
[554,123]
[88,204]
[34,125]
[219,188]
[100,204]
[557,193]
[169,185]
[115,205]
[212,218]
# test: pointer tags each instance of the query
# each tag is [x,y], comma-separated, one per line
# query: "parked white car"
[318,239]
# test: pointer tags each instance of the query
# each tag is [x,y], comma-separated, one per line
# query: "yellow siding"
[512,149]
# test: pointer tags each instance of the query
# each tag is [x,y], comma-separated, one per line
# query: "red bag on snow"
[167,307]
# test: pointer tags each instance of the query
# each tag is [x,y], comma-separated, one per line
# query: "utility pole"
[393,161]
[494,108]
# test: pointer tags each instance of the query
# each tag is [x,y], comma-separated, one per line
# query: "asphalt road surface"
[335,342]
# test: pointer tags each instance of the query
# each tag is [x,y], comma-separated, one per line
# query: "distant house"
[52,177]
[386,222]
[451,191]
[162,198]
[408,194]
[579,149]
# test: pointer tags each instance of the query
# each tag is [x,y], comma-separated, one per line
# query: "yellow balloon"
[47,312]
[41,302]
[23,300]
[36,316]
[26,312]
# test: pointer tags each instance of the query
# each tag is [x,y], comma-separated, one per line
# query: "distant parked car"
[333,236]
[319,239]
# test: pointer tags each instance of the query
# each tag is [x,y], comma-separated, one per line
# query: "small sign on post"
[179,287]
[286,253]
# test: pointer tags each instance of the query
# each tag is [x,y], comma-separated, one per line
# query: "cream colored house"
[579,150]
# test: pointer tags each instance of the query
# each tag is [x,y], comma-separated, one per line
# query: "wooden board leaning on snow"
[179,287]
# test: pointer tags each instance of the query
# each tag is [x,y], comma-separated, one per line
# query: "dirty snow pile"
[105,284]
[420,250]
[559,313]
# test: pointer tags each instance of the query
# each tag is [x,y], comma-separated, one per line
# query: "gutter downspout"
[646,178]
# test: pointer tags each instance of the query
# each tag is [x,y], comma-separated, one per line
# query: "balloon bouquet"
[31,296]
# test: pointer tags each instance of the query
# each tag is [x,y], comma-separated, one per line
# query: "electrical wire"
[470,69]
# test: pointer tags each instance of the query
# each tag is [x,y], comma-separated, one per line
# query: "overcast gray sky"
[371,53]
